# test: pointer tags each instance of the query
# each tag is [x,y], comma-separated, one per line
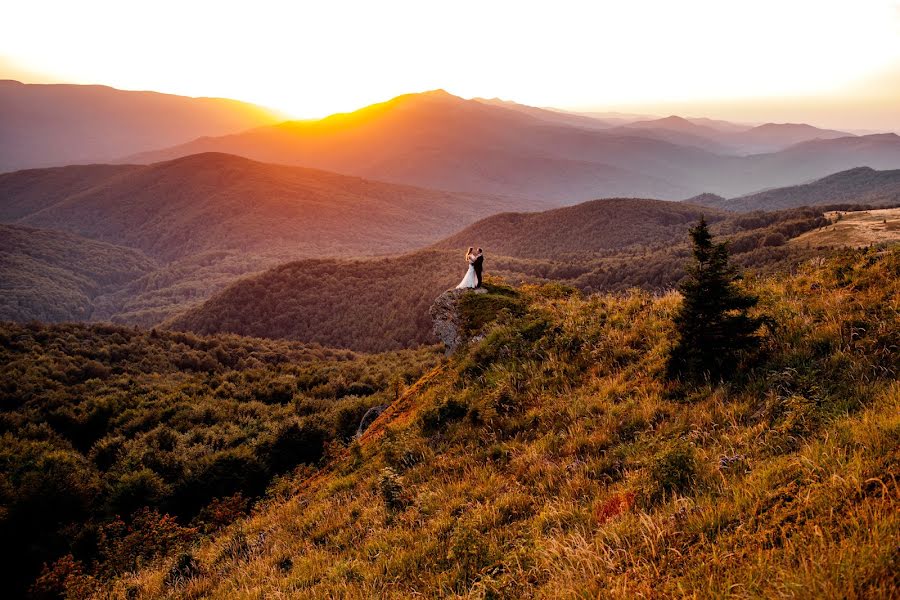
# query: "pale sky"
[753,60]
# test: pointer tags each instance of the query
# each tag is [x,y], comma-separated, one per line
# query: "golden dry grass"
[576,471]
[855,229]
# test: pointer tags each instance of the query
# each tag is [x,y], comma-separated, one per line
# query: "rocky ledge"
[447,320]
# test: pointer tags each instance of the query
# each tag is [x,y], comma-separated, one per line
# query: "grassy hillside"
[103,430]
[855,229]
[552,459]
[377,305]
[55,276]
[861,185]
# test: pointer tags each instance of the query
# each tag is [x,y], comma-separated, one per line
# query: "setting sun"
[310,59]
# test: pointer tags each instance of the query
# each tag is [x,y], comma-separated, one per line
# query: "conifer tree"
[713,323]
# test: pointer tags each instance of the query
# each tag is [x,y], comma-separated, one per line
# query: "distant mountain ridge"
[861,185]
[440,141]
[43,125]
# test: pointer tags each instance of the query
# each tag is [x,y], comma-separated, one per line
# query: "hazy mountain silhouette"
[553,116]
[47,125]
[861,185]
[772,137]
[438,140]
[729,138]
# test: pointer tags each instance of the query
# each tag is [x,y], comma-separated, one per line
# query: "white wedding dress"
[470,280]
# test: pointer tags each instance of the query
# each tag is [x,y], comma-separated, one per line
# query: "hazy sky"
[835,63]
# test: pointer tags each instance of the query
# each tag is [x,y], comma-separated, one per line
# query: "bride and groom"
[473,274]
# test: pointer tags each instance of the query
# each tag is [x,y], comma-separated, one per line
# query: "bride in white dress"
[471,279]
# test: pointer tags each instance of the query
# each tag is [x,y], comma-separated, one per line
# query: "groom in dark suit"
[478,264]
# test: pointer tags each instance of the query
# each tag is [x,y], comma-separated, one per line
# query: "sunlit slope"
[437,140]
[551,459]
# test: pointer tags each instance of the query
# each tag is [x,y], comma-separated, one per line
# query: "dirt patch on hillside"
[857,228]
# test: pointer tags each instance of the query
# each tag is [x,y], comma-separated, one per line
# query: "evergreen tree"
[713,324]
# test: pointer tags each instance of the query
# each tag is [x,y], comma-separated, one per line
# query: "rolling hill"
[46,125]
[582,230]
[440,141]
[861,185]
[214,201]
[56,276]
[208,219]
[380,304]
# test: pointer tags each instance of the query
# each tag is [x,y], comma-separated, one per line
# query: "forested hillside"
[204,221]
[55,276]
[861,185]
[105,431]
[381,304]
[554,458]
[583,230]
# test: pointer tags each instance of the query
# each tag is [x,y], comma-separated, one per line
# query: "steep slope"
[861,185]
[553,459]
[45,125]
[106,425]
[375,305]
[55,276]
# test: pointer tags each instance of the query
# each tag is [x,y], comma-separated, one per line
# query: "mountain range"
[440,141]
[45,125]
[861,185]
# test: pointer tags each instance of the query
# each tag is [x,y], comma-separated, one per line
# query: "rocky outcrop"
[446,318]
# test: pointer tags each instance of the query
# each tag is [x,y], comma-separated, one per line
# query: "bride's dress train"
[470,280]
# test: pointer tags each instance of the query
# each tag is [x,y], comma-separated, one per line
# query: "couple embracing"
[475,259]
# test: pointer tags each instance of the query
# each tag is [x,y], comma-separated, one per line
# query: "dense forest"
[194,225]
[55,276]
[555,457]
[377,305]
[585,229]
[118,445]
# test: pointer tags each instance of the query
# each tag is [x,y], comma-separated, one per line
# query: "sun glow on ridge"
[312,59]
